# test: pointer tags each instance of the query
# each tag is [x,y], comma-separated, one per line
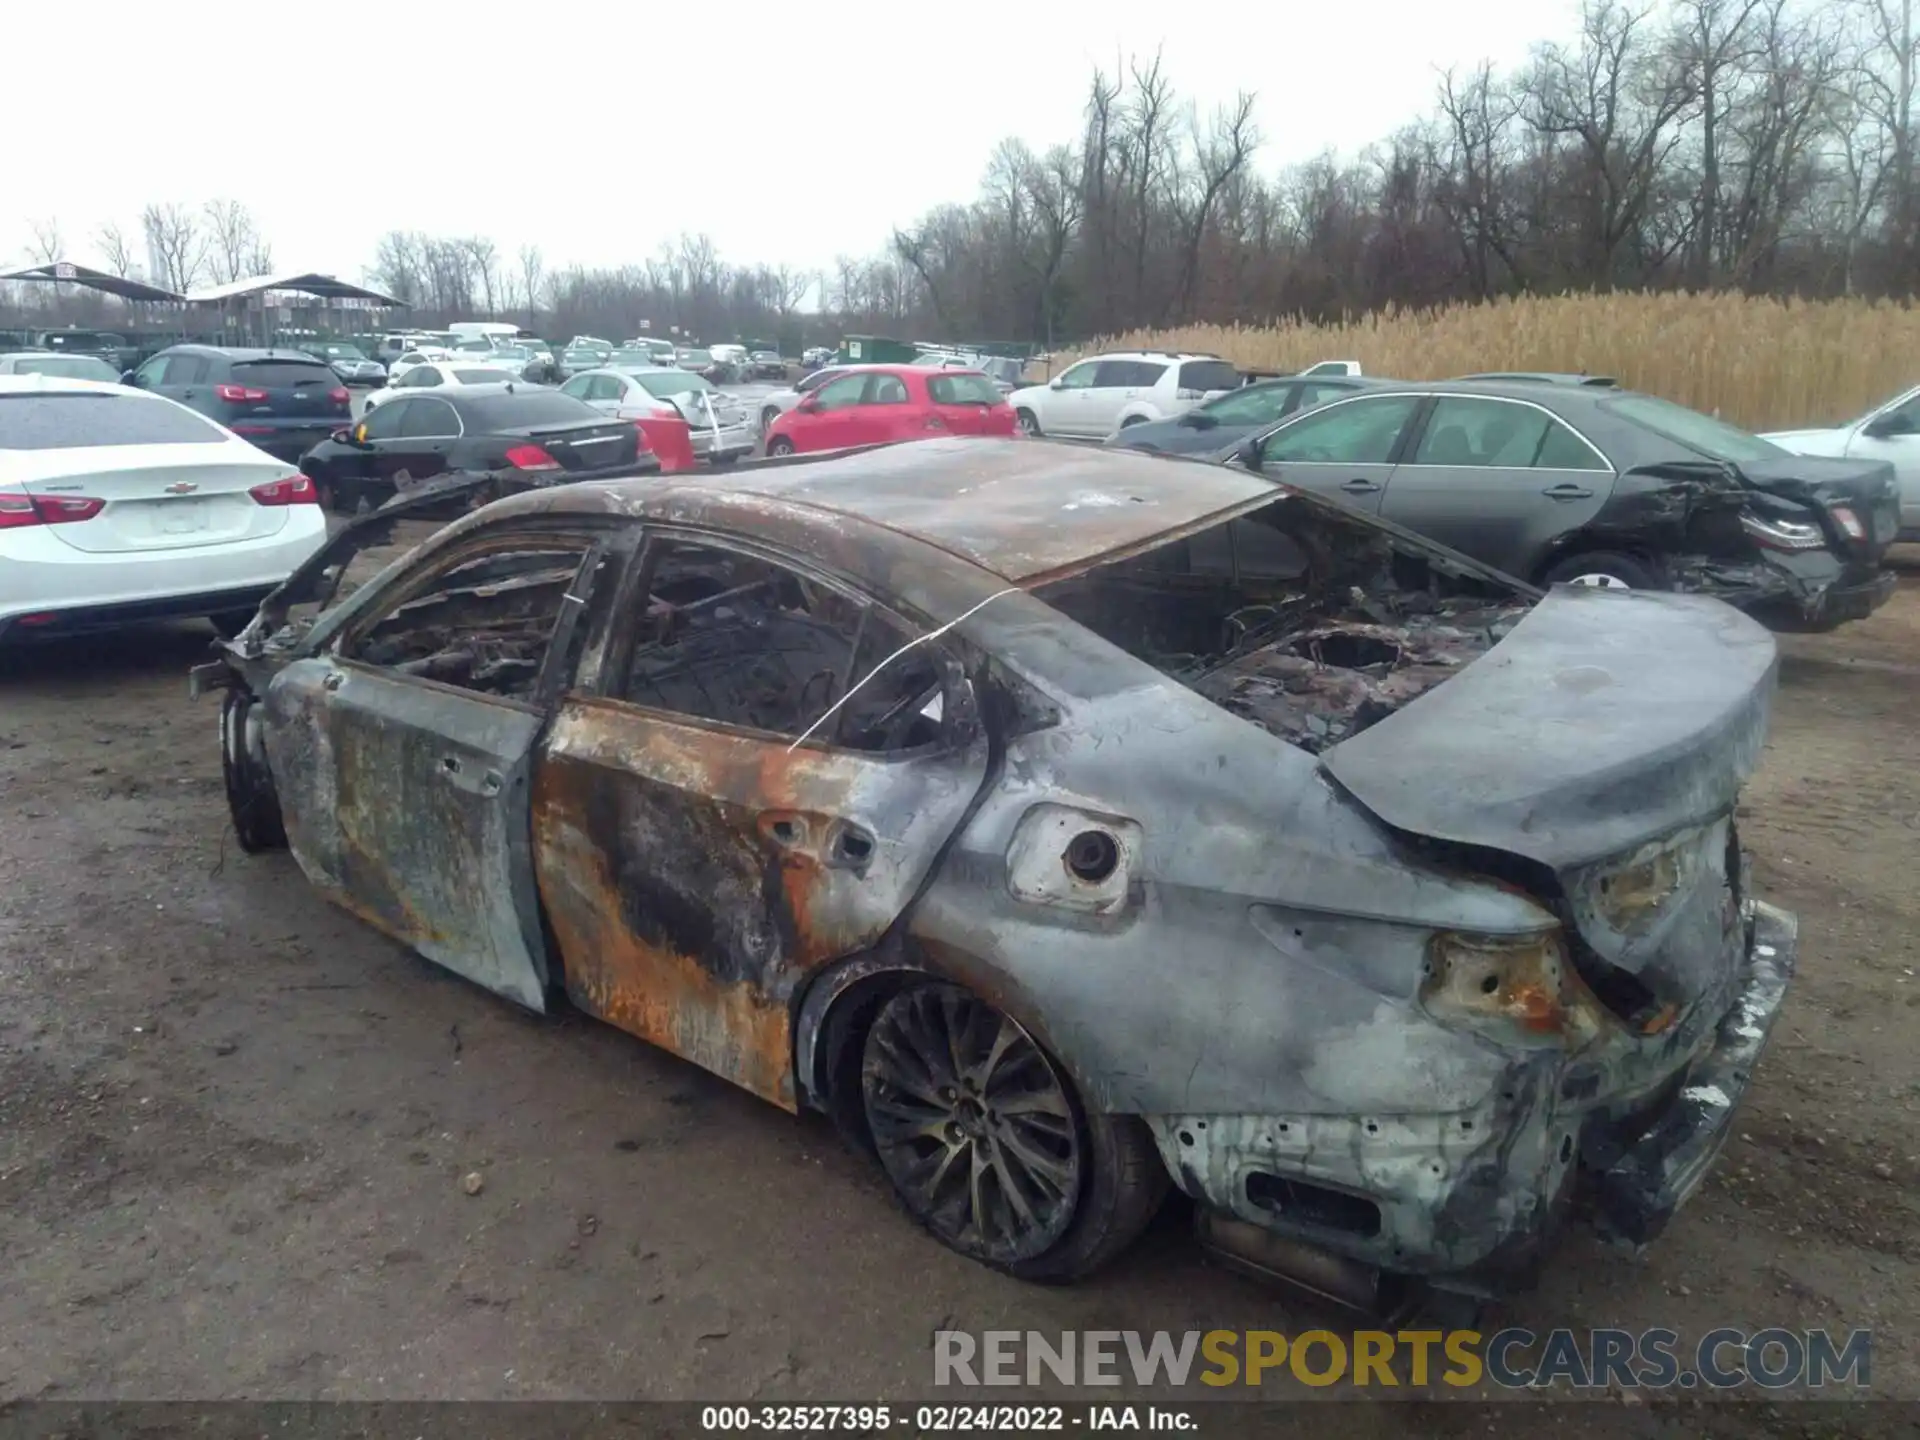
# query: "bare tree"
[530,275]
[47,244]
[486,267]
[234,248]
[116,249]
[175,247]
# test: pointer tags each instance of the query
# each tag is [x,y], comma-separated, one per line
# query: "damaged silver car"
[1064,822]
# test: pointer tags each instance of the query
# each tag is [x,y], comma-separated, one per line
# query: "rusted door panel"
[694,877]
[406,802]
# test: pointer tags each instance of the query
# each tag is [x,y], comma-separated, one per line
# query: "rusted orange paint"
[665,998]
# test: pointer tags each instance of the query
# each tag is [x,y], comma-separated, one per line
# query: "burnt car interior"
[483,625]
[1309,628]
[740,640]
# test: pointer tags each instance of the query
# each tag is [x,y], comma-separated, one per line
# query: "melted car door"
[403,757]
[761,785]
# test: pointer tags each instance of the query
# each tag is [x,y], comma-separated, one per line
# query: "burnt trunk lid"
[1604,720]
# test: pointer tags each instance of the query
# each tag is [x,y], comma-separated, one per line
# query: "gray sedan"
[1207,429]
[1601,486]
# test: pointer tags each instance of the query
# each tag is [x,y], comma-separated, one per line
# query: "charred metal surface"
[695,877]
[408,807]
[1388,896]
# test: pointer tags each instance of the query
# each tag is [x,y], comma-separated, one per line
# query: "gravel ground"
[235,1123]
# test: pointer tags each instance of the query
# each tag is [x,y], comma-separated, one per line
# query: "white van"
[488,330]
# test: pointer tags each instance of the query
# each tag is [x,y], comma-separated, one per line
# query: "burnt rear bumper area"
[1473,1201]
[1644,1169]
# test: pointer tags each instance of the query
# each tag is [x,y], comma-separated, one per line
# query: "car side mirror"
[343,436]
[809,406]
[130,377]
[1055,385]
[1249,455]
[1886,427]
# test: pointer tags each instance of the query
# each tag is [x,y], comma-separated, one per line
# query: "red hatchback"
[878,404]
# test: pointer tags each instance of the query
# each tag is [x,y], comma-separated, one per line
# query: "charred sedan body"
[1062,820]
[1594,485]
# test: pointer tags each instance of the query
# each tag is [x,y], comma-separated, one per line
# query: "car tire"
[940,1072]
[1029,423]
[780,445]
[1603,569]
[251,802]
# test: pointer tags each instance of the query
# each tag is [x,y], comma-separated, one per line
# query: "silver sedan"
[719,426]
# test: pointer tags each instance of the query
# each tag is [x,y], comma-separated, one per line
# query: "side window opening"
[738,640]
[485,625]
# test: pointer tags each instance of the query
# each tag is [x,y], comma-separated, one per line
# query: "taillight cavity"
[288,490]
[1849,522]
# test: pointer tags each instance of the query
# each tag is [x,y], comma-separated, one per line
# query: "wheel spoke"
[972,1123]
[1057,1174]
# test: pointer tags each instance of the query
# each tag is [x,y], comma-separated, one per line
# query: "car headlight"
[1518,989]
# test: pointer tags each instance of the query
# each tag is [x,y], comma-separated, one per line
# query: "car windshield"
[511,352]
[71,367]
[1255,405]
[632,357]
[696,357]
[664,384]
[475,376]
[1713,438]
[529,407]
[72,422]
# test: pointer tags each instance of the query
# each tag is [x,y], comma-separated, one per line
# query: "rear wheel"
[1603,570]
[780,445]
[989,1148]
[1029,422]
[251,802]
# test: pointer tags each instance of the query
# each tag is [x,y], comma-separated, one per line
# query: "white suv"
[1096,397]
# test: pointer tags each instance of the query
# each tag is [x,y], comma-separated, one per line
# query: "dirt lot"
[234,1122]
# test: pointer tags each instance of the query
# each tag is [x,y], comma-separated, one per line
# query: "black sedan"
[1207,428]
[475,428]
[1596,485]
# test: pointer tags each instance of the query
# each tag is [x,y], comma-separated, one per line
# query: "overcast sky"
[788,132]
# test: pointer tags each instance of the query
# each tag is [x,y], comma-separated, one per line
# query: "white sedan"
[717,424]
[1890,433]
[443,375]
[117,505]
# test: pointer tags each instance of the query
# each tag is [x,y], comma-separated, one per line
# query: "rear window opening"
[284,374]
[960,388]
[79,420]
[535,407]
[484,377]
[1310,627]
[1208,375]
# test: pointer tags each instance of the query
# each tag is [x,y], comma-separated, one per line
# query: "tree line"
[1757,145]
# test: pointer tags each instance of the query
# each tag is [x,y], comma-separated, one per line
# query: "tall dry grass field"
[1765,364]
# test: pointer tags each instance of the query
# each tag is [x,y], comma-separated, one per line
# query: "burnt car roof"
[1018,508]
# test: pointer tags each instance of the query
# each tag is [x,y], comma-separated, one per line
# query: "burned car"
[1594,485]
[1063,821]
